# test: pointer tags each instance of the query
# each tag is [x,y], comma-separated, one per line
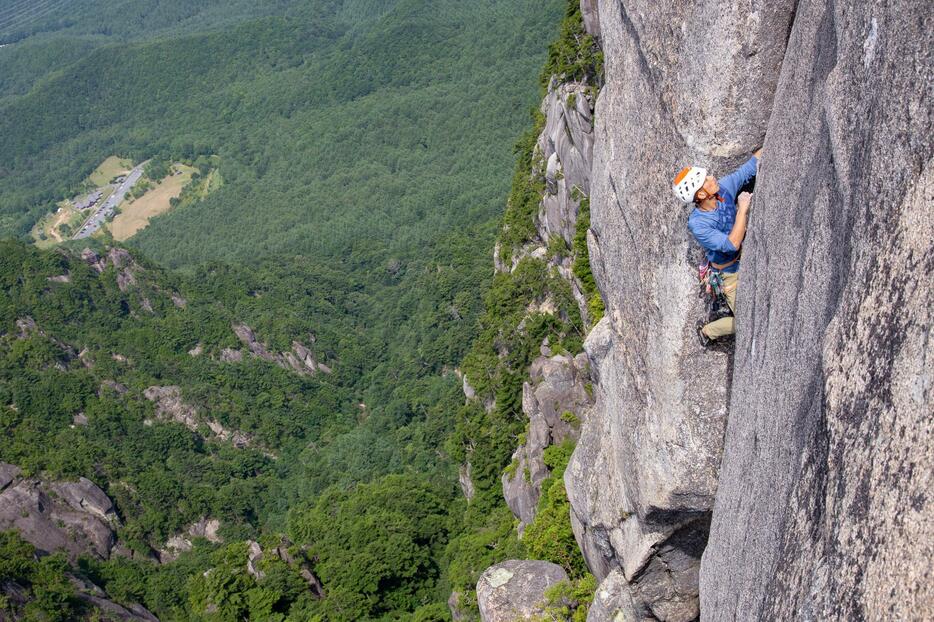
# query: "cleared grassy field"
[135,215]
[108,169]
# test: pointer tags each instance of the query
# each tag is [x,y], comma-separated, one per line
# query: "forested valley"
[367,150]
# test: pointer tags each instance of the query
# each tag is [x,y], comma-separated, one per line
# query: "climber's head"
[707,191]
[693,184]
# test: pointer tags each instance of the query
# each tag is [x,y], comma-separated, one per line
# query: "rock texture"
[643,478]
[75,517]
[515,590]
[824,510]
[556,387]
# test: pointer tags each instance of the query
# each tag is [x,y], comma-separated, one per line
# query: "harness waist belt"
[721,266]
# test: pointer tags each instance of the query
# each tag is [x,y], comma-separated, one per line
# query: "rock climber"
[718,223]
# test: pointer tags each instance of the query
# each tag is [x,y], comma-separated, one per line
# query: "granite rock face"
[643,478]
[555,400]
[75,517]
[515,590]
[824,510]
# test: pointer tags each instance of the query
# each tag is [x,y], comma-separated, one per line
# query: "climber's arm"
[730,185]
[742,216]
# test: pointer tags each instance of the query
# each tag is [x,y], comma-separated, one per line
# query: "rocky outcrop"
[515,590]
[564,156]
[555,400]
[566,146]
[643,477]
[256,554]
[97,602]
[121,260]
[825,504]
[75,517]
[26,328]
[96,599]
[300,359]
[465,479]
[171,407]
[204,528]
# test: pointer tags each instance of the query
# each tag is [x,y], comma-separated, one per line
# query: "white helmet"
[688,182]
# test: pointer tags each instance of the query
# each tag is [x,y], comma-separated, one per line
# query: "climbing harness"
[711,278]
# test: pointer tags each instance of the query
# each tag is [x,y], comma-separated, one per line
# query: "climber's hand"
[743,201]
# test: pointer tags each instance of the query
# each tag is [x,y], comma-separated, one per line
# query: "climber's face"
[711,187]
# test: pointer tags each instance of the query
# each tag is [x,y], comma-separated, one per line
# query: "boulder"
[824,508]
[230,355]
[206,528]
[644,473]
[112,385]
[93,259]
[84,495]
[75,517]
[27,327]
[179,543]
[515,590]
[254,556]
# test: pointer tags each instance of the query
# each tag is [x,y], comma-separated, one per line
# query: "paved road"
[109,207]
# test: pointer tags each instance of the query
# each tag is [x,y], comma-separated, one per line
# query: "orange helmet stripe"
[680,176]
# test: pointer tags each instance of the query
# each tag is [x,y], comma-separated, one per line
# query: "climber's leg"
[725,325]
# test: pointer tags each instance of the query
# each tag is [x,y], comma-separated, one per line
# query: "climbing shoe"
[703,339]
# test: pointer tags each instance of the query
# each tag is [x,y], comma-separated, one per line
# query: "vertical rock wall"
[824,509]
[684,83]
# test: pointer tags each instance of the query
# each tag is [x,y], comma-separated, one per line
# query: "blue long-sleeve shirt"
[711,229]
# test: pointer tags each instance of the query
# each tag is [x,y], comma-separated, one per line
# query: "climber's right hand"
[744,200]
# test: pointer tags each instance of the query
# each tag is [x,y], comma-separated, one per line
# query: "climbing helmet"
[688,182]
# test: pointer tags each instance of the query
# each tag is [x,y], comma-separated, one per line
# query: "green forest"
[367,150]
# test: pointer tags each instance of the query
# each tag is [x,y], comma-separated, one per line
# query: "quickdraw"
[711,278]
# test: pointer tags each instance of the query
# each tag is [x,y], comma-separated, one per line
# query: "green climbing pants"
[725,325]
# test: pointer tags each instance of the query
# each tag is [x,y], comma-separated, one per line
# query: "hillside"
[193,399]
[331,128]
